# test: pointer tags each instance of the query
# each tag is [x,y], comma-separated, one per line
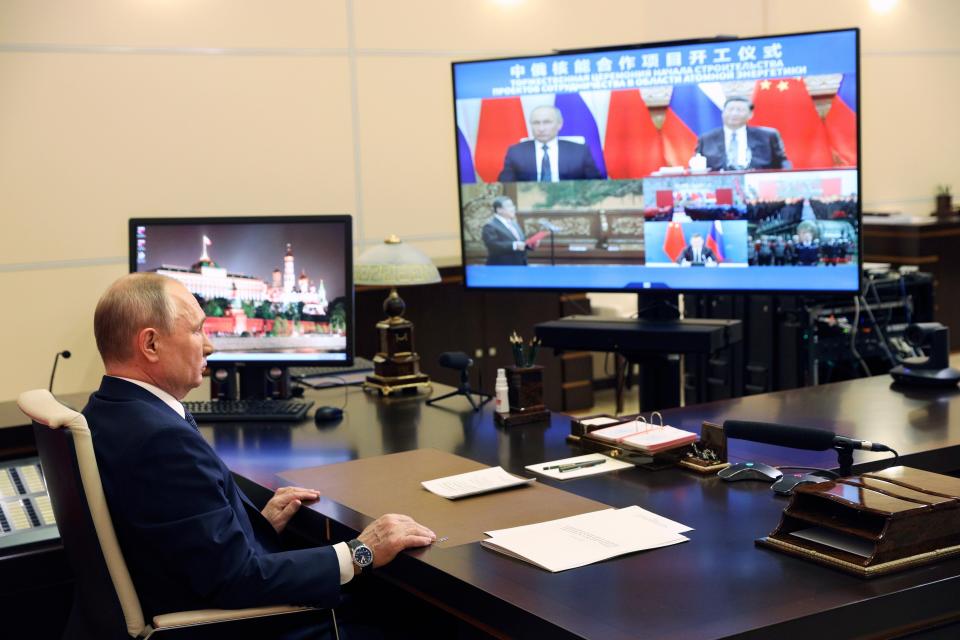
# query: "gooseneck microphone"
[803,438]
[796,437]
[56,358]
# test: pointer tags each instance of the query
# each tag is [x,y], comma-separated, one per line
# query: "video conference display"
[729,165]
[272,289]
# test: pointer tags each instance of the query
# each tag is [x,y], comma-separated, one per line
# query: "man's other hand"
[286,502]
[390,534]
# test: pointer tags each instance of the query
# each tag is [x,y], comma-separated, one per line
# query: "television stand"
[654,343]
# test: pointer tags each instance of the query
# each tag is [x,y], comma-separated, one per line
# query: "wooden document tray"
[874,523]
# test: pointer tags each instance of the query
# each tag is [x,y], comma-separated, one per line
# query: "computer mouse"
[750,471]
[785,485]
[325,415]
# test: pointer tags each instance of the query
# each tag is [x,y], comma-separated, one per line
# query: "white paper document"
[558,545]
[474,483]
[837,540]
[552,469]
[599,421]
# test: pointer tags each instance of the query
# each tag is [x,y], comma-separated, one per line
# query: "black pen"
[580,465]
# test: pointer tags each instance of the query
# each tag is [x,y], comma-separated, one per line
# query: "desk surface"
[717,585]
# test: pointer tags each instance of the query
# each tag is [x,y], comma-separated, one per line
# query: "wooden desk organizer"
[525,391]
[580,435]
[902,517]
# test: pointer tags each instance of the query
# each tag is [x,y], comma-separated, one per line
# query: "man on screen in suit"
[191,538]
[504,238]
[696,254]
[737,147]
[547,158]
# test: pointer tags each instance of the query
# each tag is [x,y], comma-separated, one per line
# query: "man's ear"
[148,344]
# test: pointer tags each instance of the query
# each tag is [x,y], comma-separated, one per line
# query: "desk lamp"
[396,366]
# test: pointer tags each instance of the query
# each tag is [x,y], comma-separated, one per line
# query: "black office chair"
[105,601]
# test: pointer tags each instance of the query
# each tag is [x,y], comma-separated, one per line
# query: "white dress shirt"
[553,150]
[743,150]
[514,227]
[342,550]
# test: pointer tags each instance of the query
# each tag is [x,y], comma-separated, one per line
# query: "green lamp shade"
[394,264]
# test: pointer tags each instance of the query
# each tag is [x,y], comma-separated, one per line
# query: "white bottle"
[501,392]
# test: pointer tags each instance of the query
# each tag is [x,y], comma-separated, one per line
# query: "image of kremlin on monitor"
[721,165]
[275,290]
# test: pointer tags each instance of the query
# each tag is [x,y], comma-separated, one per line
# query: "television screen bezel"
[345,219]
[682,290]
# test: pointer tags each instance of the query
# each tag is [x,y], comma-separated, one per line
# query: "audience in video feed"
[737,147]
[546,158]
[804,248]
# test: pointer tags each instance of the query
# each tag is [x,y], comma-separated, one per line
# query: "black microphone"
[65,354]
[796,437]
[455,360]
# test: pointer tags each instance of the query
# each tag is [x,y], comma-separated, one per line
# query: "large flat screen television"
[276,290]
[727,165]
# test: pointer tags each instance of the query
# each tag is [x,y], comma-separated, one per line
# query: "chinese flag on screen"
[786,106]
[673,241]
[632,146]
[501,125]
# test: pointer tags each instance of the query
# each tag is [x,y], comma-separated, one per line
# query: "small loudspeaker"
[223,383]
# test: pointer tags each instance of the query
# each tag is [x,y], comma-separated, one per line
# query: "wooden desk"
[716,585]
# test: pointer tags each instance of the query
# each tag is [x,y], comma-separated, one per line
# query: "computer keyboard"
[249,410]
[359,365]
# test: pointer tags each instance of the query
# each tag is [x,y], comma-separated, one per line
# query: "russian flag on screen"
[841,121]
[578,120]
[694,109]
[715,240]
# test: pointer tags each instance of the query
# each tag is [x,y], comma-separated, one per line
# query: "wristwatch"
[361,554]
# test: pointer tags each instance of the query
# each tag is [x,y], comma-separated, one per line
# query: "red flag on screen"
[786,106]
[673,241]
[632,146]
[501,125]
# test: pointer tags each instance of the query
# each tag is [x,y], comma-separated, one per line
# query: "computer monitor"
[724,165]
[277,290]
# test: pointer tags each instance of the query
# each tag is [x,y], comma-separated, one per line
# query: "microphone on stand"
[803,438]
[66,354]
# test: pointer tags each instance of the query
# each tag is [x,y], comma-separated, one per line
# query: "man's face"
[183,353]
[696,242]
[806,237]
[508,210]
[544,124]
[736,114]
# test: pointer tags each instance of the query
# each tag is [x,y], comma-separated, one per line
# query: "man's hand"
[390,534]
[286,502]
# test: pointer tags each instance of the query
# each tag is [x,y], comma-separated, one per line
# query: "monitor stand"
[249,381]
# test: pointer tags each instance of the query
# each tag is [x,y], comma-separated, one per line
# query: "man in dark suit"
[191,538]
[504,238]
[696,254]
[546,158]
[737,147]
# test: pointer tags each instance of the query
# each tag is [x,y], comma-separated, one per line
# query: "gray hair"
[556,111]
[133,302]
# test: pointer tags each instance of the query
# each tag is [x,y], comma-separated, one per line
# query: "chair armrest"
[210,616]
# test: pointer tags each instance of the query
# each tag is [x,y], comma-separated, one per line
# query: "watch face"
[363,556]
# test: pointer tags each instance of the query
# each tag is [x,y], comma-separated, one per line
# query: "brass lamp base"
[397,385]
[396,367]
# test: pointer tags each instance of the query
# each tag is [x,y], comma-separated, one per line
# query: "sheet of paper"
[837,540]
[607,464]
[616,433]
[567,543]
[658,437]
[474,482]
[631,511]
[599,421]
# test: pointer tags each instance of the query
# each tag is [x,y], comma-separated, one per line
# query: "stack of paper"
[558,545]
[474,483]
[645,437]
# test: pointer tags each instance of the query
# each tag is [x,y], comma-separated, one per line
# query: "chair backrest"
[107,596]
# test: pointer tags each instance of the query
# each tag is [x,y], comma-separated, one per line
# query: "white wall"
[118,108]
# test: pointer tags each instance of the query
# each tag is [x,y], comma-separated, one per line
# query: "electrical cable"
[343,383]
[853,336]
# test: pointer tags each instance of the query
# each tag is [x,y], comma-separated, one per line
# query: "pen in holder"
[524,386]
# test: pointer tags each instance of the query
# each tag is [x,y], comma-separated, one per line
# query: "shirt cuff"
[346,562]
[519,246]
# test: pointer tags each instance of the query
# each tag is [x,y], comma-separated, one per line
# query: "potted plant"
[944,201]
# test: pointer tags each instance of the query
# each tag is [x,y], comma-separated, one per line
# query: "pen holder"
[525,388]
[525,392]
